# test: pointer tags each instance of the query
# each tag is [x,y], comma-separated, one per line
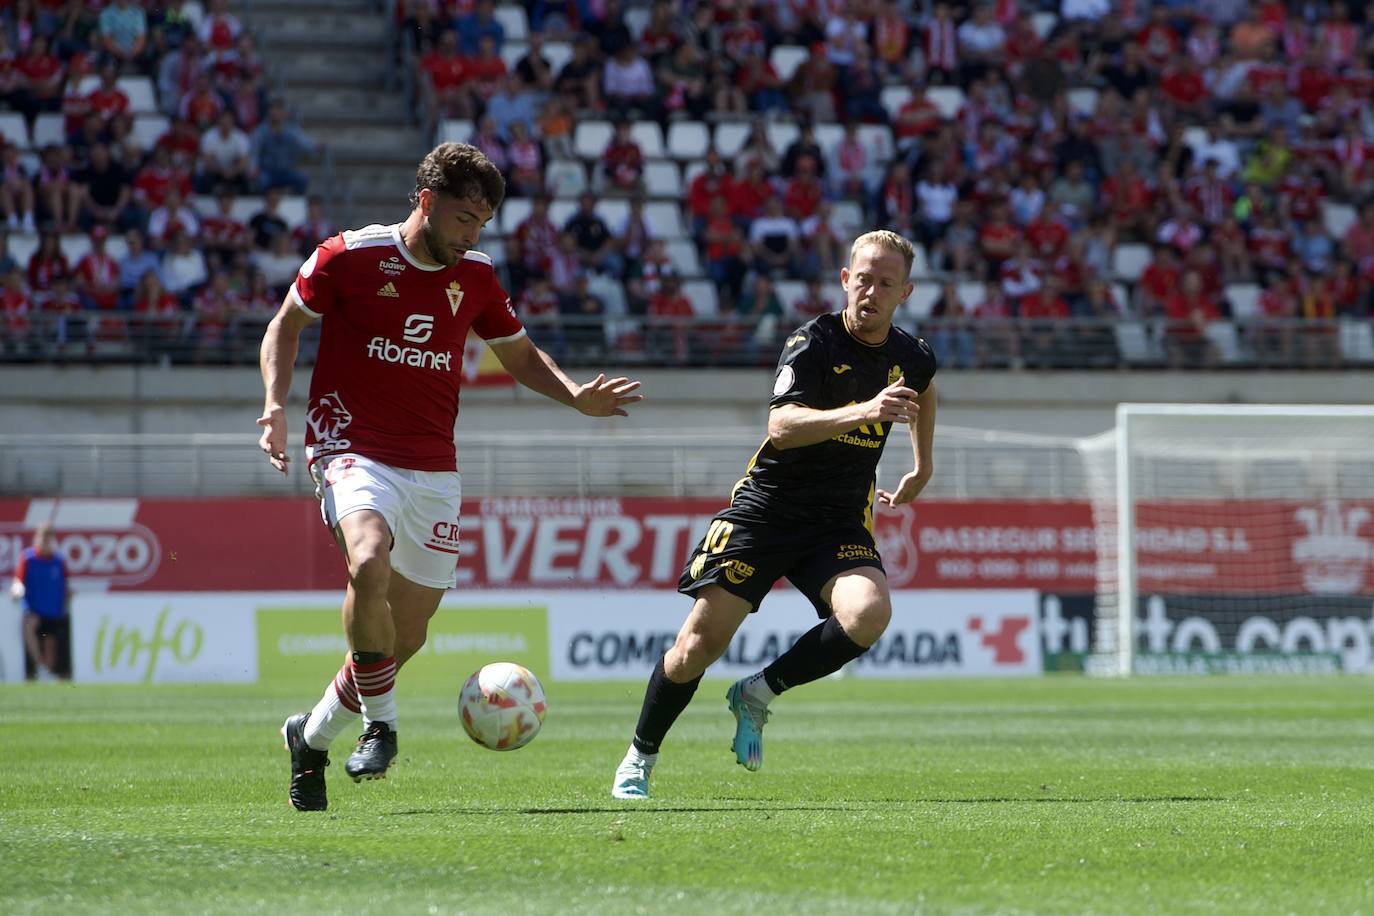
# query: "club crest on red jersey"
[455,296]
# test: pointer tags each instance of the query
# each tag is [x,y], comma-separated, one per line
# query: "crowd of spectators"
[1214,133]
[154,273]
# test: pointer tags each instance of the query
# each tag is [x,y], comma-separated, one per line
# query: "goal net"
[1233,539]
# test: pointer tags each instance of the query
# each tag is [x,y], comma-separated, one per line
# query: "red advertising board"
[281,544]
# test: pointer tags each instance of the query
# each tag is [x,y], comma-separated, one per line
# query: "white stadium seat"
[148,129]
[688,139]
[1357,341]
[493,248]
[1337,218]
[971,294]
[591,137]
[512,52]
[649,136]
[877,140]
[782,134]
[690,170]
[786,59]
[565,178]
[454,130]
[849,217]
[662,178]
[922,300]
[702,295]
[1243,299]
[828,136]
[1043,23]
[1133,342]
[1082,101]
[636,19]
[666,218]
[947,99]
[1223,336]
[919,267]
[513,20]
[75,245]
[1194,136]
[894,97]
[22,247]
[1129,261]
[731,137]
[557,53]
[613,210]
[47,130]
[560,211]
[514,212]
[790,292]
[13,129]
[683,254]
[292,207]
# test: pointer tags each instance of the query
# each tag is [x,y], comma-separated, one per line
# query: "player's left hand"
[908,489]
[603,397]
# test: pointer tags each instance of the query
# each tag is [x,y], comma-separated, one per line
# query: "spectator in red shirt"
[715,181]
[1189,311]
[622,162]
[202,105]
[1158,39]
[813,302]
[214,309]
[1274,335]
[15,312]
[443,80]
[1047,235]
[999,237]
[804,192]
[916,119]
[40,79]
[748,195]
[47,263]
[153,180]
[1045,335]
[725,251]
[670,314]
[1183,84]
[1158,282]
[314,229]
[97,274]
[159,321]
[223,236]
[107,99]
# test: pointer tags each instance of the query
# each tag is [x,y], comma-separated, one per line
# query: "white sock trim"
[756,688]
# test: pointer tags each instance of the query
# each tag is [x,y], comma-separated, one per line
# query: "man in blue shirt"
[41,587]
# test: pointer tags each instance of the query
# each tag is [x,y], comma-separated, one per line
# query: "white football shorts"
[420,507]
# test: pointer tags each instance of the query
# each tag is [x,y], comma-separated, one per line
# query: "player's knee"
[369,571]
[866,622]
[699,648]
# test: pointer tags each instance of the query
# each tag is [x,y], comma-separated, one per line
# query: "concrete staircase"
[332,61]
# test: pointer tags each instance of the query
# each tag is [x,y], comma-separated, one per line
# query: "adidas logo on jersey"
[389,290]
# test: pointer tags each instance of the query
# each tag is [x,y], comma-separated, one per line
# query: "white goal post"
[1233,538]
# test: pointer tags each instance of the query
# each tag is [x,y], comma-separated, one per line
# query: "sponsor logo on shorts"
[698,566]
[737,571]
[392,267]
[443,537]
[338,469]
[855,552]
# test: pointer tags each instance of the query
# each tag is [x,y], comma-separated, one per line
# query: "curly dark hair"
[461,171]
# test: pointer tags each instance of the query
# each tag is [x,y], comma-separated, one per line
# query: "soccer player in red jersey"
[395,305]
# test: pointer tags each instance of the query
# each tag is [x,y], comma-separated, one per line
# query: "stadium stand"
[1051,150]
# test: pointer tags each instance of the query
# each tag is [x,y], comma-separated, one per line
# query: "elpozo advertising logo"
[99,539]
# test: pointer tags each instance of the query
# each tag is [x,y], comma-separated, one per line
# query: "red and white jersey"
[390,362]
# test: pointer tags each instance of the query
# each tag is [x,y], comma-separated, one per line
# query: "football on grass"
[502,706]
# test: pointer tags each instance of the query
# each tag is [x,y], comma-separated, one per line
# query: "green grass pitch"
[1055,795]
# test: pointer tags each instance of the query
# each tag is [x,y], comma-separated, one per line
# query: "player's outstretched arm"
[795,425]
[923,453]
[276,358]
[537,371]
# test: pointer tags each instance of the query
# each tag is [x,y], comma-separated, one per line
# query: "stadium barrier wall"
[172,590]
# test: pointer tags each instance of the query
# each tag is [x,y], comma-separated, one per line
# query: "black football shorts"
[745,555]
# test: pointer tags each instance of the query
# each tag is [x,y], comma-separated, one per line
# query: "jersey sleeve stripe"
[477,256]
[300,304]
[507,339]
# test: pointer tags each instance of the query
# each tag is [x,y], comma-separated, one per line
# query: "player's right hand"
[273,439]
[894,404]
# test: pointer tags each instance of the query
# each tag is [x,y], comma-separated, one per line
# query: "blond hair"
[885,238]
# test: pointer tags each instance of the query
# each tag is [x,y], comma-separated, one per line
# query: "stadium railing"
[972,464]
[733,340]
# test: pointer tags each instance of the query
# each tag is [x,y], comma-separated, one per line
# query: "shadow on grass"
[754,804]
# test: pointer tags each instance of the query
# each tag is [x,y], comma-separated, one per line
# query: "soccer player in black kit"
[804,509]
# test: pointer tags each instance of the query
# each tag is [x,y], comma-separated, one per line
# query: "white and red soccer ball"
[502,706]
